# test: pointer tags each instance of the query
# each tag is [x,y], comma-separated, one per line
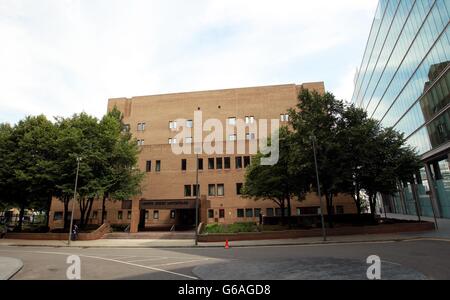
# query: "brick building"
[168,192]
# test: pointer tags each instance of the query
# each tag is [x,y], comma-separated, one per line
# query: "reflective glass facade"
[404,82]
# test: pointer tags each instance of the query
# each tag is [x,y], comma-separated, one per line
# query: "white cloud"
[61,57]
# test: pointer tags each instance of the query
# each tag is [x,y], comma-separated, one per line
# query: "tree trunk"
[66,212]
[88,214]
[372,203]
[358,202]
[289,212]
[283,215]
[103,209]
[329,198]
[49,206]
[21,216]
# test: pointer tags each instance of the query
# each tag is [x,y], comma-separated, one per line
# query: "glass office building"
[404,82]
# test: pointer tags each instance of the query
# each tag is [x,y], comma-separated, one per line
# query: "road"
[419,259]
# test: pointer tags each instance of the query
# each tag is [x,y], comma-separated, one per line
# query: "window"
[210,214]
[240,213]
[250,136]
[220,190]
[146,214]
[212,190]
[183,165]
[173,214]
[188,140]
[222,214]
[257,212]
[195,190]
[172,141]
[239,188]
[119,215]
[58,216]
[141,127]
[284,118]
[187,191]
[339,210]
[126,128]
[232,121]
[95,215]
[148,166]
[140,142]
[129,215]
[158,166]
[270,212]
[105,215]
[211,163]
[246,161]
[227,162]
[249,213]
[189,124]
[172,125]
[249,120]
[232,137]
[219,163]
[239,162]
[156,214]
[200,163]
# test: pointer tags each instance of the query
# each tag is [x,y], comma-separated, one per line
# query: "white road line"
[148,259]
[123,257]
[182,262]
[113,260]
[391,263]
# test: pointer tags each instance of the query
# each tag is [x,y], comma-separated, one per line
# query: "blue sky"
[60,57]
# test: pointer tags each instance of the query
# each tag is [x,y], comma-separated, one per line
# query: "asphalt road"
[421,259]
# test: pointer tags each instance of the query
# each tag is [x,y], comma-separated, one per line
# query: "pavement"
[9,267]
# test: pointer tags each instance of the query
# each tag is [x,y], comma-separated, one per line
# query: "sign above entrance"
[167,204]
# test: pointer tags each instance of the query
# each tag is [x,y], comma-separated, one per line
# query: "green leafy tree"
[317,116]
[32,172]
[279,183]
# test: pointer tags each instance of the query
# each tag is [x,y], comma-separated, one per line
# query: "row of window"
[218,163]
[213,190]
[270,212]
[173,125]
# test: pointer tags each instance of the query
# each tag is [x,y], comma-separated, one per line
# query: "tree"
[356,131]
[317,116]
[389,161]
[5,163]
[32,172]
[108,166]
[279,183]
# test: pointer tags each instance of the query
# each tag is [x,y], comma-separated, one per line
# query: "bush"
[232,228]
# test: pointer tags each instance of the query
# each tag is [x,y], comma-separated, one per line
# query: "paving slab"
[9,267]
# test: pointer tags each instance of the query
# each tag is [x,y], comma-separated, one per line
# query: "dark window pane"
[270,212]
[239,188]
[222,214]
[211,214]
[227,163]
[158,166]
[183,165]
[239,162]
[148,167]
[246,161]
[200,163]
[240,213]
[211,163]
[249,213]
[187,191]
[219,163]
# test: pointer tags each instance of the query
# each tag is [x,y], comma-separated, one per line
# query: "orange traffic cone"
[227,245]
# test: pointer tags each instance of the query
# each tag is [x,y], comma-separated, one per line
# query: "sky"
[60,57]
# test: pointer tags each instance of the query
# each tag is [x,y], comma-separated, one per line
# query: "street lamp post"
[196,203]
[74,199]
[324,233]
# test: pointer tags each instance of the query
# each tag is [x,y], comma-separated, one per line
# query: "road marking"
[391,263]
[123,257]
[149,259]
[182,262]
[113,260]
